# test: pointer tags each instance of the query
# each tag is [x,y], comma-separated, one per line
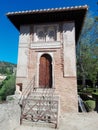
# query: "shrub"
[90,104]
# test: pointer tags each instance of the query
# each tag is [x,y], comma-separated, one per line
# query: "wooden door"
[45,71]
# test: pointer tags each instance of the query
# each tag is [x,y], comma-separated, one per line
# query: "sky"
[9,35]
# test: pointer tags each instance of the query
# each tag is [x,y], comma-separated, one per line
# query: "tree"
[7,87]
[87,51]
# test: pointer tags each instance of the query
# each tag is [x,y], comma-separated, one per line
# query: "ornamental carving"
[45,33]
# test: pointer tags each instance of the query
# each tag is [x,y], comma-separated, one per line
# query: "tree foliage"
[6,68]
[87,51]
[7,87]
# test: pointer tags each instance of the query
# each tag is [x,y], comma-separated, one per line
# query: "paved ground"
[84,121]
[10,119]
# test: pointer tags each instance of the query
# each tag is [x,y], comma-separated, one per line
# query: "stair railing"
[27,90]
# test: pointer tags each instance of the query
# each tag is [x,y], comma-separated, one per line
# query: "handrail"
[27,90]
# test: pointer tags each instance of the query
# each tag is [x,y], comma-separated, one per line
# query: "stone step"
[40,104]
[32,99]
[43,89]
[40,108]
[42,101]
[43,97]
[40,92]
[43,92]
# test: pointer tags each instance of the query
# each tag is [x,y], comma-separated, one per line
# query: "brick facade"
[63,57]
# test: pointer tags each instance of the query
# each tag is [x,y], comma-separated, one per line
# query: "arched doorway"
[45,71]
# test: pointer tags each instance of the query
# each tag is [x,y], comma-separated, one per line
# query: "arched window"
[51,35]
[40,34]
[45,33]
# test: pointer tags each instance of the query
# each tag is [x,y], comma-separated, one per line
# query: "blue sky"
[9,34]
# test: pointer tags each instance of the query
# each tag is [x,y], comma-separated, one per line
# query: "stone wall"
[9,115]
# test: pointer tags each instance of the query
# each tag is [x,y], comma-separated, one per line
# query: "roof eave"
[76,14]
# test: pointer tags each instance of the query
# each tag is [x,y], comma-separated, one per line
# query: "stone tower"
[47,51]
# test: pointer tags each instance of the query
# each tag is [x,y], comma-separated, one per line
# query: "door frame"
[38,62]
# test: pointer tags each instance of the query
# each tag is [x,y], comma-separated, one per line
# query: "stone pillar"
[23,50]
[69,50]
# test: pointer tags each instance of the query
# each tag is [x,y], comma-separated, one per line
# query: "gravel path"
[80,121]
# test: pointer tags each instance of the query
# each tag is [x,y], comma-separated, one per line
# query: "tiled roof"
[51,15]
[48,10]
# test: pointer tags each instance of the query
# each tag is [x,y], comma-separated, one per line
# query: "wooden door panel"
[45,72]
[42,72]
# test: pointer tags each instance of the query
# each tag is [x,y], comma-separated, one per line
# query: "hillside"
[7,68]
[7,79]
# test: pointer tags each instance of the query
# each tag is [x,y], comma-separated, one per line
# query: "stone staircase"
[40,107]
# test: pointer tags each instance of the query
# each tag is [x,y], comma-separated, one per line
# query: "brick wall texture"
[65,86]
